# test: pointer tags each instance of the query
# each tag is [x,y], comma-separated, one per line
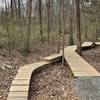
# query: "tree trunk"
[7,29]
[71,24]
[40,17]
[59,25]
[12,4]
[29,9]
[78,41]
[49,16]
[19,9]
[86,31]
[63,38]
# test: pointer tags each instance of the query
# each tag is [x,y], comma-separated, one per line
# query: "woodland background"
[26,25]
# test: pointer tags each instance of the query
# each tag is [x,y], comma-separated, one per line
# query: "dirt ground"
[92,56]
[53,83]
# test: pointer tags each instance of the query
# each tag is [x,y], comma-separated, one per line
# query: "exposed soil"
[16,60]
[53,83]
[92,56]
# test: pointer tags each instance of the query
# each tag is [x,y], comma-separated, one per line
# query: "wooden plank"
[18,94]
[98,43]
[20,82]
[86,44]
[77,64]
[29,68]
[53,58]
[19,88]
[23,77]
[90,74]
[20,98]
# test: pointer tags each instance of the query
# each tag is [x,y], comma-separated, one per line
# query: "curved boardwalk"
[20,85]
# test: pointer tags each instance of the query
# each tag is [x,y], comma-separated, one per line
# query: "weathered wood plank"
[18,94]
[86,44]
[19,88]
[20,82]
[53,58]
[16,98]
[98,43]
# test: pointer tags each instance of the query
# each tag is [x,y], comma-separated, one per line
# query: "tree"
[78,41]
[49,16]
[7,29]
[29,11]
[86,28]
[19,9]
[12,7]
[71,22]
[40,17]
[63,37]
[59,25]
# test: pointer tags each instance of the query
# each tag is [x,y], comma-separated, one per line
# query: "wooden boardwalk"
[77,64]
[20,85]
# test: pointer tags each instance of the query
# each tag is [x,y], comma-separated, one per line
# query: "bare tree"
[63,38]
[7,28]
[71,22]
[29,11]
[59,25]
[19,8]
[78,28]
[49,16]
[12,7]
[40,17]
[51,13]
[86,28]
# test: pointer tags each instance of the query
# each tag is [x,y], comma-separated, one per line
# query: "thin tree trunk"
[59,25]
[7,29]
[40,17]
[63,38]
[29,9]
[49,16]
[19,9]
[15,6]
[71,24]
[12,3]
[86,37]
[78,28]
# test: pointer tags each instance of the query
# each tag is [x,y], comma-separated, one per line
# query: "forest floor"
[16,60]
[53,83]
[92,56]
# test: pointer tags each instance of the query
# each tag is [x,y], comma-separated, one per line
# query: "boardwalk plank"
[19,88]
[20,82]
[16,98]
[18,94]
[52,58]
